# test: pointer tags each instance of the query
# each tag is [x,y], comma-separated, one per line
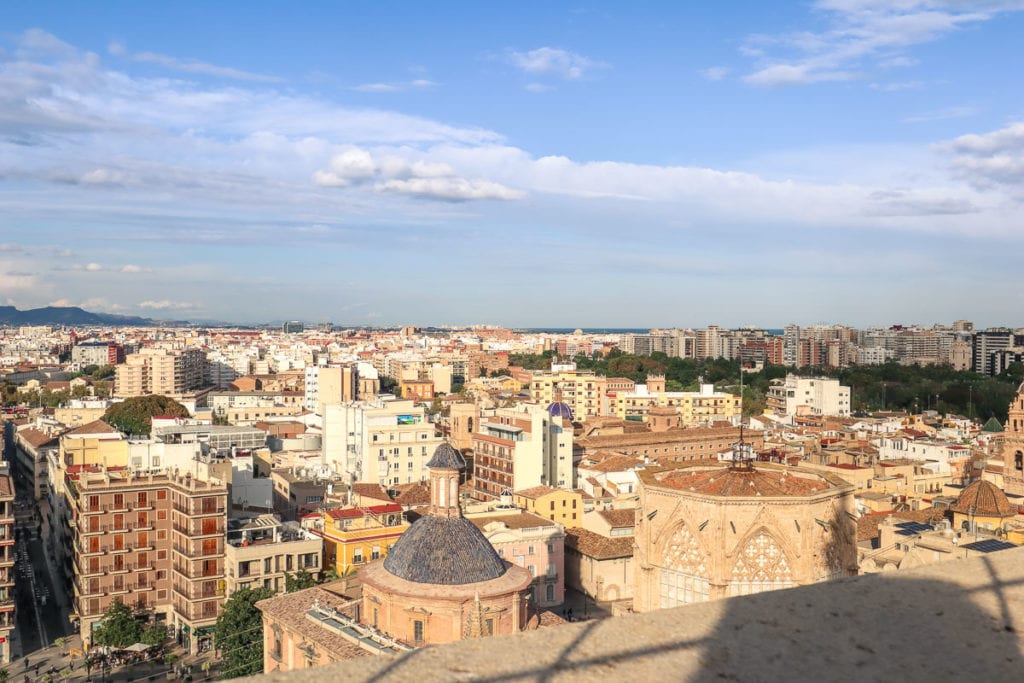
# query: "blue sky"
[527,164]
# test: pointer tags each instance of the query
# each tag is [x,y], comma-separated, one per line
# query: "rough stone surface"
[958,621]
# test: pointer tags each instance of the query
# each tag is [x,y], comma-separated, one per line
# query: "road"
[40,615]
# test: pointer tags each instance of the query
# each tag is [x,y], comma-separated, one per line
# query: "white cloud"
[990,159]
[193,66]
[414,177]
[93,267]
[715,73]
[165,304]
[943,114]
[863,35]
[450,189]
[553,62]
[417,84]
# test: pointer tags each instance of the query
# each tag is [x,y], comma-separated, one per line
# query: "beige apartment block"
[155,542]
[262,551]
[160,371]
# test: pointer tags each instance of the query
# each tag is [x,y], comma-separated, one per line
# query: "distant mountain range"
[67,315]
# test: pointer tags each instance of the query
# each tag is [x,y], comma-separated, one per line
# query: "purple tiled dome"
[560,409]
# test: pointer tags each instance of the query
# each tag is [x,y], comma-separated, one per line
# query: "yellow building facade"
[694,407]
[558,505]
[357,535]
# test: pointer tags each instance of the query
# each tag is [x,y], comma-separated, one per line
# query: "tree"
[297,581]
[62,643]
[118,628]
[239,633]
[135,415]
[154,634]
[4,675]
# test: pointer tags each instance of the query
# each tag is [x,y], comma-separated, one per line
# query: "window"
[1018,460]
[550,592]
[417,631]
[529,550]
[533,570]
[266,565]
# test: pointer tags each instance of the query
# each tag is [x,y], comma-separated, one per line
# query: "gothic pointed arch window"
[684,578]
[761,566]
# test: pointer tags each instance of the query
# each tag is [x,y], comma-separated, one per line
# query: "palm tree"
[62,643]
[4,675]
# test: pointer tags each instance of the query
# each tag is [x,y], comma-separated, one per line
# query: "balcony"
[946,622]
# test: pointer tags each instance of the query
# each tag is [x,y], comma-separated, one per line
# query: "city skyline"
[530,166]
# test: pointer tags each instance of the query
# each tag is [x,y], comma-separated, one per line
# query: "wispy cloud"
[551,61]
[862,36]
[943,114]
[193,66]
[715,73]
[165,304]
[990,160]
[401,86]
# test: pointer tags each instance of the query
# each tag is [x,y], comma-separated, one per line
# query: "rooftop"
[762,480]
[958,620]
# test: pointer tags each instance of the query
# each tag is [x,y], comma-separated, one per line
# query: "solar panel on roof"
[912,527]
[989,545]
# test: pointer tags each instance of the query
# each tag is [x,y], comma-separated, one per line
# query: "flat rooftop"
[954,621]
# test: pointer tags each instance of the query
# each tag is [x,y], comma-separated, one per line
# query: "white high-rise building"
[809,396]
[388,442]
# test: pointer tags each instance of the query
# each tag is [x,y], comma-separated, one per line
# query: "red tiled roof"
[597,546]
[725,481]
[619,518]
[536,492]
[94,427]
[351,513]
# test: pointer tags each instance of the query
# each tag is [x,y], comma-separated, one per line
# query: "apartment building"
[522,447]
[354,536]
[583,391]
[693,407]
[97,353]
[531,542]
[385,442]
[156,542]
[7,606]
[808,396]
[159,370]
[333,384]
[262,551]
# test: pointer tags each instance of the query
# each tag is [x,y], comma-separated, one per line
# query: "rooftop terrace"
[961,620]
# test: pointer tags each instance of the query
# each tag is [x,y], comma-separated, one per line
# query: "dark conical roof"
[449,551]
[445,456]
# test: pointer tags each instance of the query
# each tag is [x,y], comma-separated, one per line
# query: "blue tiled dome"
[560,409]
[448,551]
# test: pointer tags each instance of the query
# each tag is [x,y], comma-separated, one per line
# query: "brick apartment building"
[156,542]
[7,622]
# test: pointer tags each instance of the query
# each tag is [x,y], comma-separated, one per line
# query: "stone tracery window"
[684,573]
[761,566]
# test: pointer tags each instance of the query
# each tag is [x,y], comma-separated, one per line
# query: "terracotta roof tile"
[290,610]
[597,546]
[94,427]
[619,518]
